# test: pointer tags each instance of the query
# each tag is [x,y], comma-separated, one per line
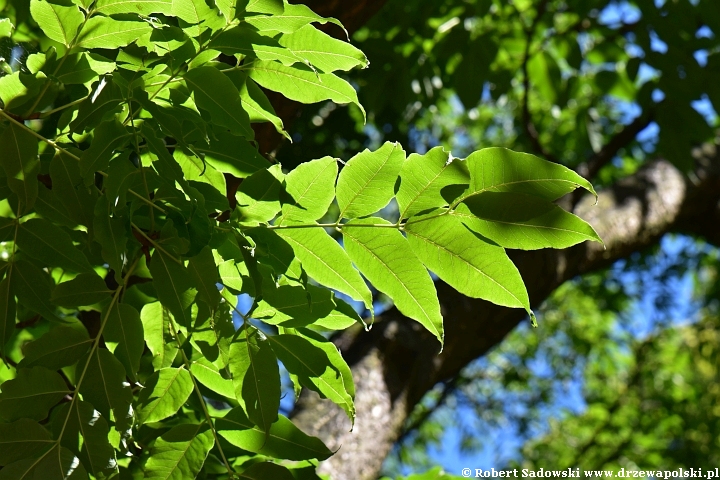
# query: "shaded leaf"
[23,438]
[217,95]
[514,220]
[124,336]
[86,435]
[174,286]
[313,368]
[104,384]
[20,163]
[31,394]
[155,319]
[85,289]
[50,244]
[256,377]
[284,440]
[62,346]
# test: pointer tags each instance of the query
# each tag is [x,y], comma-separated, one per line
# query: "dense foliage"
[127,244]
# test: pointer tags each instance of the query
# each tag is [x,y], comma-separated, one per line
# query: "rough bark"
[396,363]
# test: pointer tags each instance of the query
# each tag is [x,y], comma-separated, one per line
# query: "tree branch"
[622,139]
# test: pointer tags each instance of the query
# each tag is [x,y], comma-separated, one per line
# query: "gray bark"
[397,362]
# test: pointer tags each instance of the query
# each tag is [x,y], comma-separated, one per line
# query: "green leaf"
[208,374]
[381,254]
[294,306]
[502,170]
[273,7]
[342,317]
[106,32]
[326,262]
[294,17]
[33,289]
[267,471]
[85,289]
[466,261]
[50,208]
[258,198]
[217,95]
[244,39]
[86,435]
[106,100]
[313,368]
[143,7]
[82,68]
[31,394]
[68,188]
[180,453]
[7,311]
[55,464]
[514,220]
[158,337]
[111,234]
[212,334]
[20,163]
[62,346]
[165,392]
[6,28]
[284,441]
[122,176]
[426,180]
[104,385]
[174,286]
[232,273]
[109,136]
[124,336]
[367,183]
[193,12]
[333,355]
[256,377]
[58,22]
[50,244]
[23,438]
[256,102]
[233,155]
[205,274]
[322,51]
[302,84]
[311,186]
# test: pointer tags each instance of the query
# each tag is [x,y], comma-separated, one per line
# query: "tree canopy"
[158,164]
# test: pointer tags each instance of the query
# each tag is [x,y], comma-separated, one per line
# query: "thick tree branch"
[621,140]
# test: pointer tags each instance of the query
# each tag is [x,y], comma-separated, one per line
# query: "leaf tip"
[533,319]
